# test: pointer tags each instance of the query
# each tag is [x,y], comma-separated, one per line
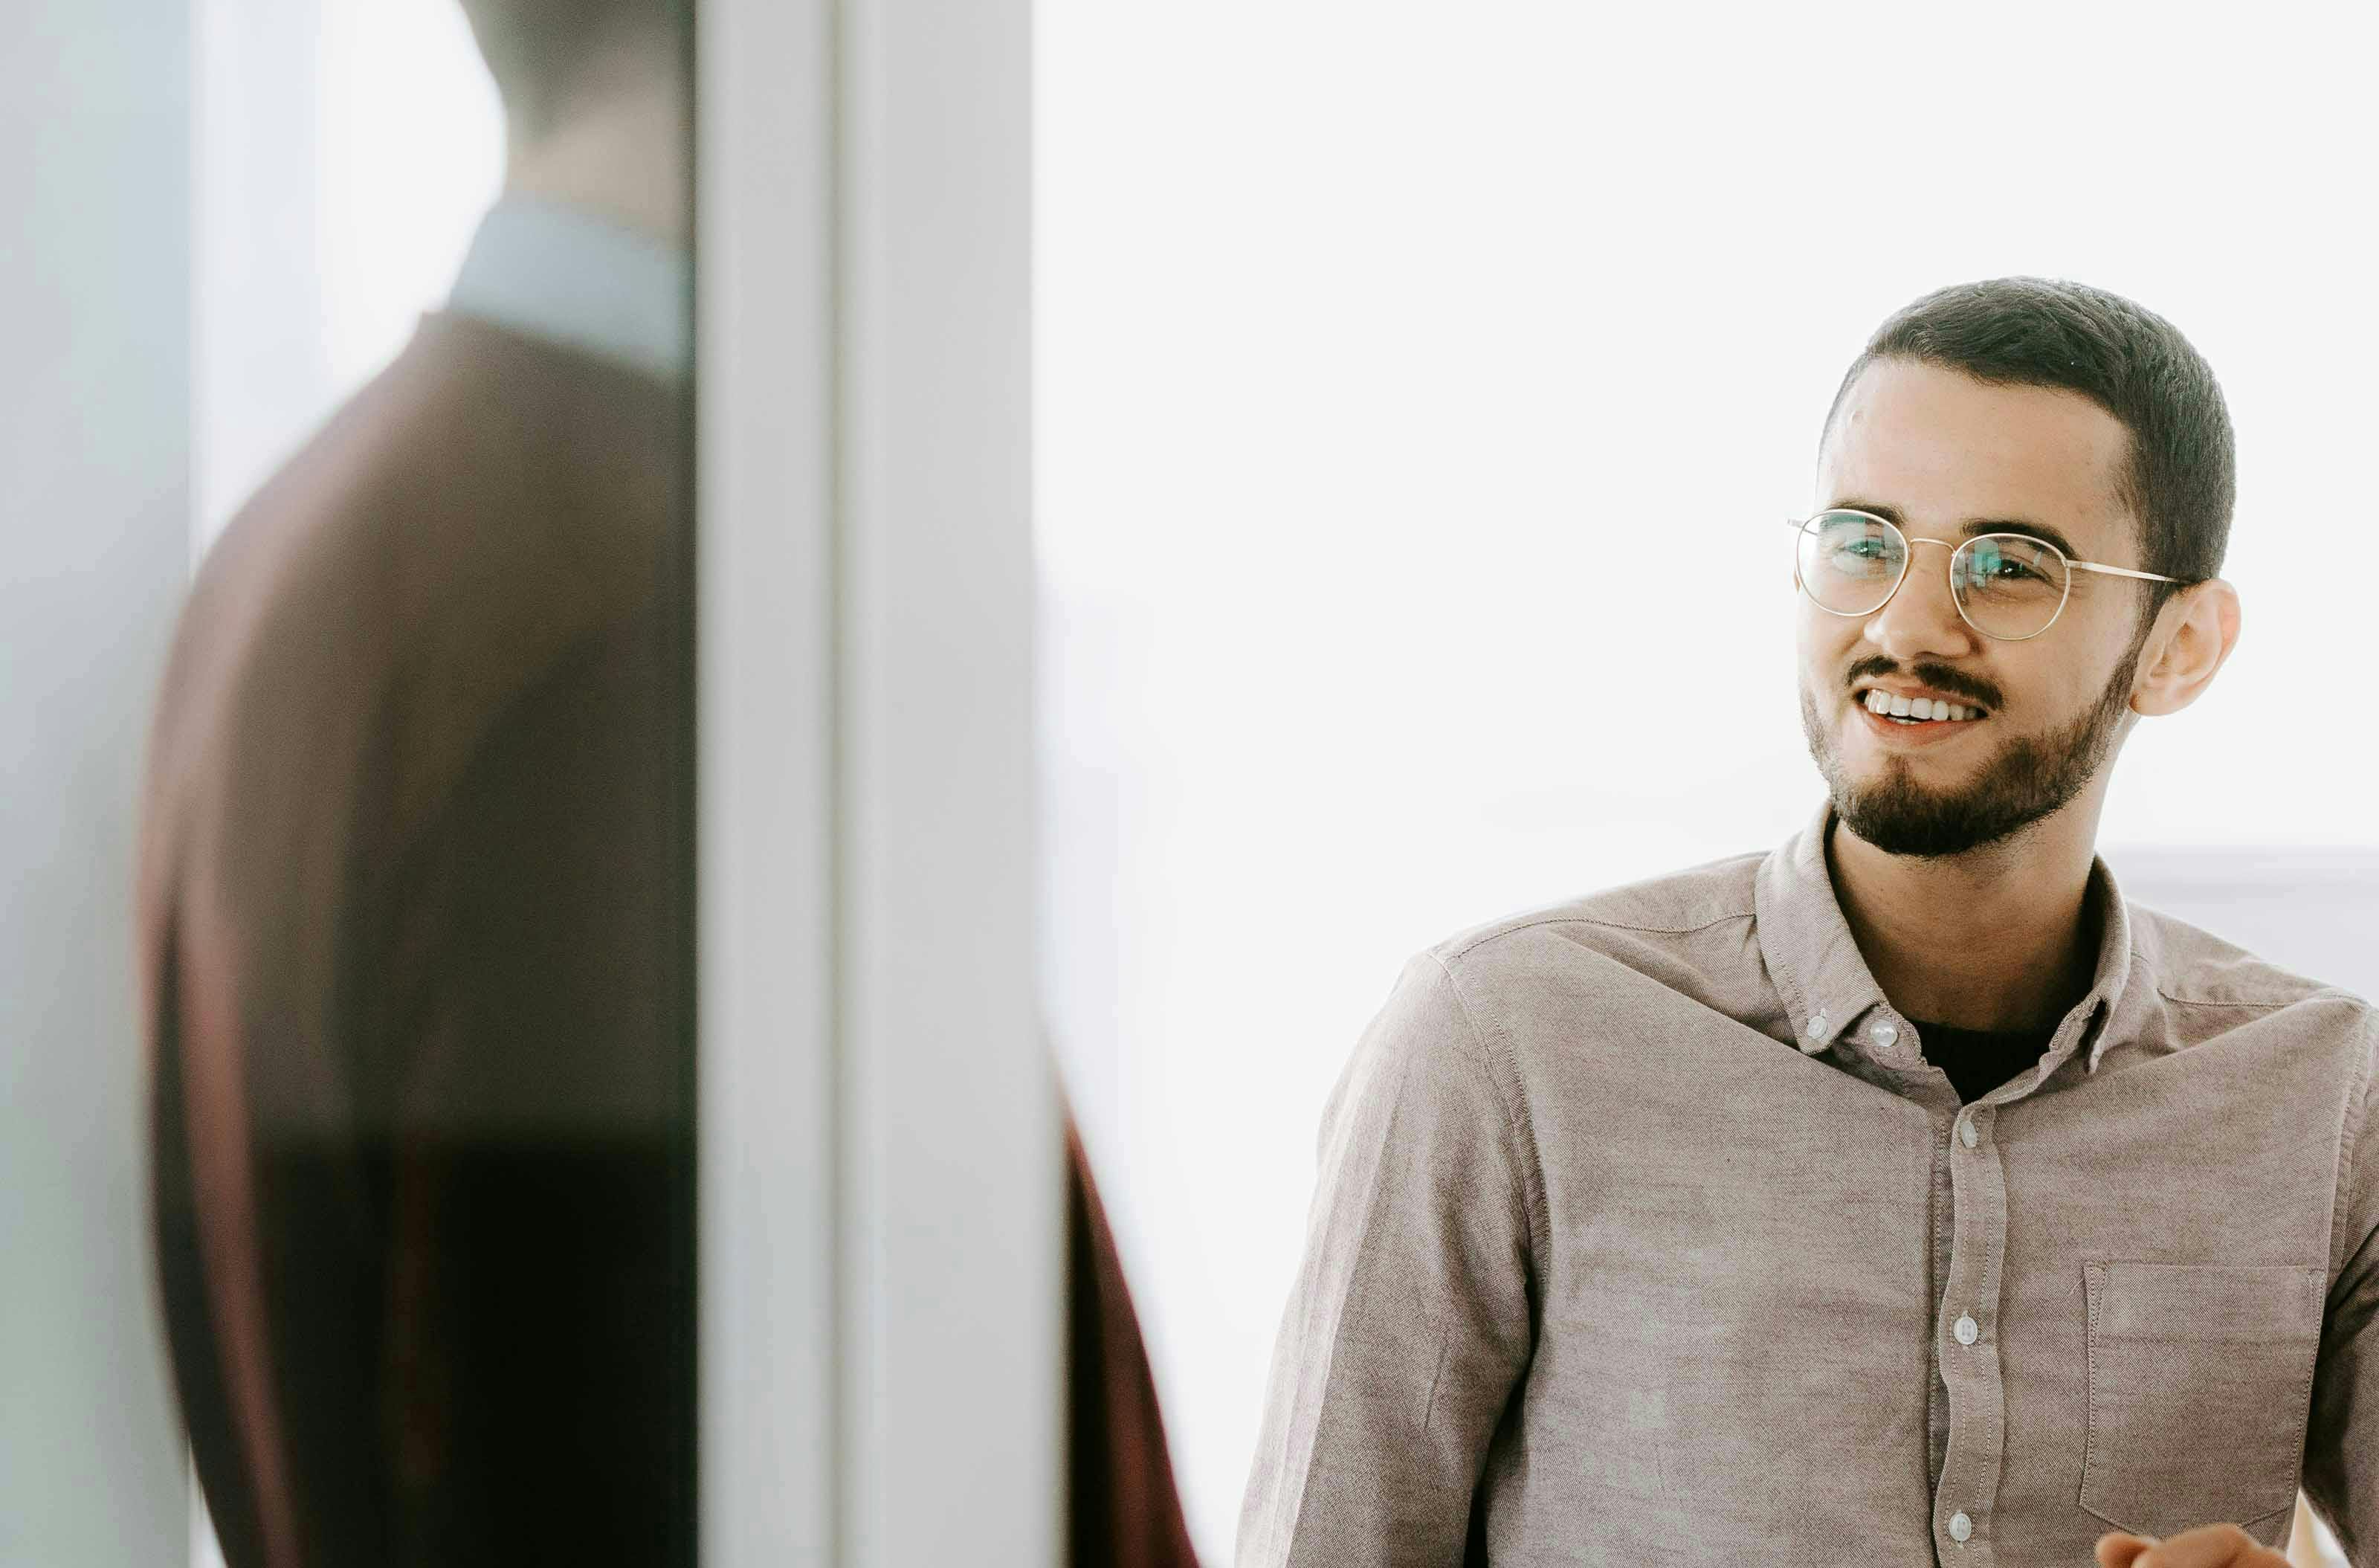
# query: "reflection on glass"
[414,891]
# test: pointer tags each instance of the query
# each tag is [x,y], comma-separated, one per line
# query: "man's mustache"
[1941,677]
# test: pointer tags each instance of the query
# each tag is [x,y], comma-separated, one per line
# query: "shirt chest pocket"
[2200,1379]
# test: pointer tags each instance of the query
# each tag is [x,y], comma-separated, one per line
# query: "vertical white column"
[767,1118]
[94,543]
[882,1229]
[954,1163]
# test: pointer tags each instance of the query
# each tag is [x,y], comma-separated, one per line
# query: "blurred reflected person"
[414,914]
[1902,1195]
[415,893]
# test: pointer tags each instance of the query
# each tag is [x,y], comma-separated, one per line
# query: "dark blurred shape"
[416,899]
[1124,1508]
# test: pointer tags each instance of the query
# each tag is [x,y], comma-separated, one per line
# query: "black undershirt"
[1978,1060]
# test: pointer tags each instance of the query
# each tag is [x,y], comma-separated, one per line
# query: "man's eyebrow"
[1971,528]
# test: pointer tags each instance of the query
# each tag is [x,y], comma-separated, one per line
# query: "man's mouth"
[1918,710]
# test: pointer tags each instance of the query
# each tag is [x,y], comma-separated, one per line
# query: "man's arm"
[1411,1322]
[2342,1468]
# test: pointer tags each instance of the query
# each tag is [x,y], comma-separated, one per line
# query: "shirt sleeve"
[2341,1469]
[1411,1322]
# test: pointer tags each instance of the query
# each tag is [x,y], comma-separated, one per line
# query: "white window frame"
[880,1157]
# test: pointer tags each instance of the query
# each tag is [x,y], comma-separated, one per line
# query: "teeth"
[1917,709]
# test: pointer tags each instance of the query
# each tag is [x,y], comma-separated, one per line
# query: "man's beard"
[2028,778]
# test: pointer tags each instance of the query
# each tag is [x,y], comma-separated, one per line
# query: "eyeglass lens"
[2005,585]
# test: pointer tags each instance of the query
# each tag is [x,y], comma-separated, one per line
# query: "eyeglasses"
[2009,586]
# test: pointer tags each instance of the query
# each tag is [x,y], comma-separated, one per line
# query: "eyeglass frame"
[1908,559]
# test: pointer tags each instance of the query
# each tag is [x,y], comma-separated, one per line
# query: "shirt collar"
[1824,980]
[566,277]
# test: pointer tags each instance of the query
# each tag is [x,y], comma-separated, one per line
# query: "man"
[415,893]
[415,914]
[1902,1195]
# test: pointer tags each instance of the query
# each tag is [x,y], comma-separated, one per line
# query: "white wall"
[2314,910]
[93,518]
[1361,327]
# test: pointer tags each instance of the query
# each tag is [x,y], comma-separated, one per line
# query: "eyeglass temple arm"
[2120,572]
[1799,523]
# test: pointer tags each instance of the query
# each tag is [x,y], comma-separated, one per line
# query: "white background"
[345,151]
[1361,328]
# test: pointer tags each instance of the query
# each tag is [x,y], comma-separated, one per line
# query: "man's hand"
[2210,1546]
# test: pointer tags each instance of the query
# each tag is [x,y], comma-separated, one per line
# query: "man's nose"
[1922,620]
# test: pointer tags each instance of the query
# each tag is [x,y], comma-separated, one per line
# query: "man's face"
[1945,457]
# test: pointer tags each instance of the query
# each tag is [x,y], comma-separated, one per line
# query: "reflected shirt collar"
[566,277]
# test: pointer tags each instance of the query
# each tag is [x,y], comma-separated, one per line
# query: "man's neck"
[1999,939]
[621,159]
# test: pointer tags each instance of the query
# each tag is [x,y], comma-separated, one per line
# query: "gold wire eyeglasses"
[2008,586]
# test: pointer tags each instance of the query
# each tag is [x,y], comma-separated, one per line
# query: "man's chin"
[1937,801]
[1899,816]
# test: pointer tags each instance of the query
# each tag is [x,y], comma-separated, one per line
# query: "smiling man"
[1904,1194]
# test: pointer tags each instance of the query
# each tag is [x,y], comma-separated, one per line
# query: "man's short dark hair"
[2181,479]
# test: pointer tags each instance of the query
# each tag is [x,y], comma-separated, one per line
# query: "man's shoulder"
[2222,985]
[476,513]
[1665,911]
[2208,991]
[480,482]
[2192,965]
[1648,955]
[471,441]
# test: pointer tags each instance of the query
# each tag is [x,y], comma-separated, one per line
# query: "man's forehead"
[1942,448]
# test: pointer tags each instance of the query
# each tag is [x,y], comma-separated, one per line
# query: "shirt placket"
[1966,1338]
[1966,1326]
[1966,1228]
[1943,1230]
[1885,1050]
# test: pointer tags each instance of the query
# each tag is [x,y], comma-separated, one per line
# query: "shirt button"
[1961,1526]
[1966,1134]
[1816,1025]
[1884,1036]
[1965,1330]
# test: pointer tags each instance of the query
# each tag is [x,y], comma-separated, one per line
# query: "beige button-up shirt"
[1645,1234]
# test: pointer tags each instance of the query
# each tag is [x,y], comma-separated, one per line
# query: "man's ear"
[2193,635]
